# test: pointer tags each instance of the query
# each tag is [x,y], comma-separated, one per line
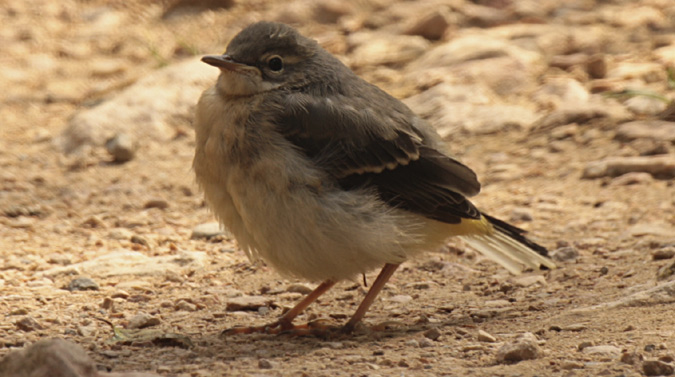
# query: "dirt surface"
[59,210]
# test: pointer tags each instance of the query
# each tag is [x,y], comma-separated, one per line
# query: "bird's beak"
[223,62]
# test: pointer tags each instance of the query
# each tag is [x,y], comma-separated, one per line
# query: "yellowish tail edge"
[507,245]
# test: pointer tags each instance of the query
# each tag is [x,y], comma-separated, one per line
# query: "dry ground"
[61,210]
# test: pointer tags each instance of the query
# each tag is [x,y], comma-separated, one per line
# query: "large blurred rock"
[468,108]
[150,108]
[372,48]
[55,358]
[506,68]
[131,263]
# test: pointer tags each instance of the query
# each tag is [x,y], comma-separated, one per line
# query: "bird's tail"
[506,245]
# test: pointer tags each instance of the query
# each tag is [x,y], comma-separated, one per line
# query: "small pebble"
[156,203]
[657,368]
[585,344]
[631,358]
[86,331]
[604,352]
[565,254]
[142,320]
[424,342]
[265,364]
[250,303]
[108,303]
[571,364]
[82,284]
[513,352]
[122,147]
[299,288]
[28,324]
[664,253]
[485,337]
[521,214]
[574,327]
[432,334]
[206,230]
[185,306]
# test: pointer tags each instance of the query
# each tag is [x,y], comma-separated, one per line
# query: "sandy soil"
[59,210]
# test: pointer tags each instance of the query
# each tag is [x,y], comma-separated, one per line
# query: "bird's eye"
[275,63]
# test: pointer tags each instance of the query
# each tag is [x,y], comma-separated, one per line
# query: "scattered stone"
[82,284]
[122,147]
[126,262]
[457,108]
[582,113]
[565,254]
[373,49]
[596,66]
[150,108]
[664,253]
[142,320]
[645,105]
[206,231]
[86,331]
[432,334]
[401,299]
[19,311]
[646,129]
[185,306]
[156,203]
[431,26]
[120,234]
[631,179]
[413,343]
[526,281]
[28,324]
[61,259]
[485,337]
[571,364]
[247,303]
[568,61]
[657,166]
[299,288]
[585,344]
[518,350]
[265,364]
[631,358]
[654,229]
[521,214]
[424,343]
[330,11]
[604,352]
[666,271]
[561,91]
[650,147]
[657,368]
[576,327]
[108,304]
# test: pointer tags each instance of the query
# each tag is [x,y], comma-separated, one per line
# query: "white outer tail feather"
[506,251]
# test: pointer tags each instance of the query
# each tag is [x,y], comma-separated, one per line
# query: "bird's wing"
[361,145]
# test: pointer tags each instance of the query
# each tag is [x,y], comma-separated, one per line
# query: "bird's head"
[265,56]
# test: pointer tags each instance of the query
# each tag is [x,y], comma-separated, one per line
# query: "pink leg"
[285,322]
[379,283]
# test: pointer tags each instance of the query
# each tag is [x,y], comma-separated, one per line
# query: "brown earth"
[60,210]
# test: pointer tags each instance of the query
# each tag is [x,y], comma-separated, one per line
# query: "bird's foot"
[314,328]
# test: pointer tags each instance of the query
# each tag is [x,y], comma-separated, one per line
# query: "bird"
[326,177]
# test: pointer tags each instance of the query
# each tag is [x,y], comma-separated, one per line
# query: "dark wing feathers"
[363,148]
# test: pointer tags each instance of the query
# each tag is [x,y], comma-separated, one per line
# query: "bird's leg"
[377,286]
[285,322]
